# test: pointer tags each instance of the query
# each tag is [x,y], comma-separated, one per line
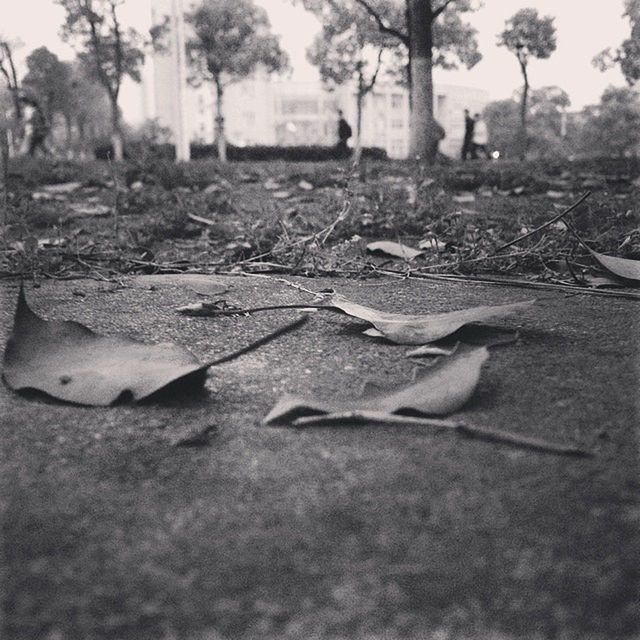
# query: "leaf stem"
[258,343]
[207,310]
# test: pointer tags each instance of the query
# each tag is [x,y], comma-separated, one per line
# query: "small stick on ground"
[471,431]
[546,224]
[287,328]
[204,309]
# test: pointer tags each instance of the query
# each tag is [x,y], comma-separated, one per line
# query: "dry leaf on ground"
[68,361]
[395,249]
[424,328]
[624,268]
[437,390]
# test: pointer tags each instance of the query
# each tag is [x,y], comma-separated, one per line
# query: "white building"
[275,111]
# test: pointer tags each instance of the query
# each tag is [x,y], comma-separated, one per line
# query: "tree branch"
[96,45]
[403,37]
[374,77]
[439,10]
[118,48]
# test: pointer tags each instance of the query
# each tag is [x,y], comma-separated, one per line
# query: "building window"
[397,124]
[397,101]
[299,106]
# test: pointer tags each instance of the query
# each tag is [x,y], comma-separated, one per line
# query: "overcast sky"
[583,29]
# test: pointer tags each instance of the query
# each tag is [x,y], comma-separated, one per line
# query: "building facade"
[276,111]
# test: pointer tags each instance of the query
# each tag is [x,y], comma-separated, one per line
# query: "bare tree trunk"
[357,153]
[422,131]
[116,132]
[522,142]
[69,130]
[219,123]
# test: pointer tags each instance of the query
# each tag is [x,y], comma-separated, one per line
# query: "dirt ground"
[112,528]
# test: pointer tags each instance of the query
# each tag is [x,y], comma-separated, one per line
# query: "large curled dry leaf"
[424,328]
[624,268]
[437,390]
[68,361]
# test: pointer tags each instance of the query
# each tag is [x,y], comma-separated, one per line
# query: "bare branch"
[384,28]
[439,10]
[374,77]
[117,46]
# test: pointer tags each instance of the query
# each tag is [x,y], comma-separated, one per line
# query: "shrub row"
[311,153]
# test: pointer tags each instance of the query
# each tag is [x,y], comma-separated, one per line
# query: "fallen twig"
[207,309]
[259,343]
[471,431]
[546,224]
[526,284]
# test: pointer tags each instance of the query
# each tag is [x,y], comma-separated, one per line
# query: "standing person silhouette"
[344,133]
[480,137]
[37,128]
[467,143]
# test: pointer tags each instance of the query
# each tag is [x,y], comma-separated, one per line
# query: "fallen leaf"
[422,328]
[624,268]
[394,249]
[68,361]
[437,390]
[556,195]
[281,195]
[64,187]
[464,198]
[271,184]
[81,209]
[601,281]
[305,185]
[429,351]
[432,243]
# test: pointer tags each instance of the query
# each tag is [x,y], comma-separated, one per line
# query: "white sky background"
[583,29]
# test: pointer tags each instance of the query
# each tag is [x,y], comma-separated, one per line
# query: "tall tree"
[527,35]
[111,50]
[435,35]
[8,71]
[350,49]
[231,39]
[627,55]
[48,79]
[613,127]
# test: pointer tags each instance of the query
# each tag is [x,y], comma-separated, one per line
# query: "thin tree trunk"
[422,130]
[69,130]
[116,131]
[522,143]
[357,154]
[219,123]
